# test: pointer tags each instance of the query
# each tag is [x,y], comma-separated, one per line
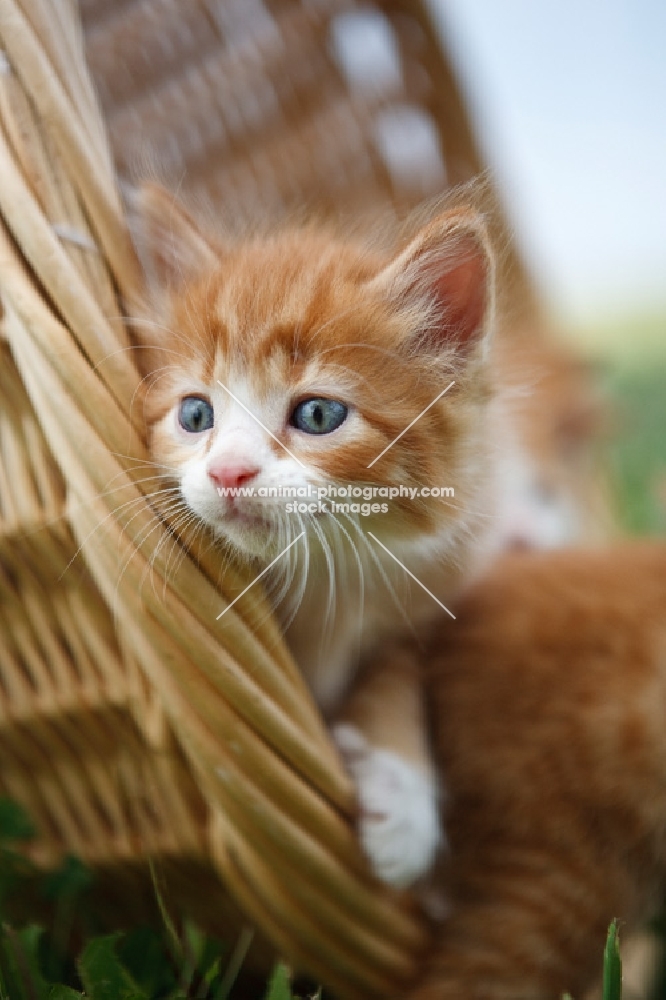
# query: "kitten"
[548,700]
[300,359]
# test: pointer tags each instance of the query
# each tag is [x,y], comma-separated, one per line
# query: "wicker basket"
[132,723]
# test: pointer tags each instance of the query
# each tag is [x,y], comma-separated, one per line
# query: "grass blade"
[279,987]
[612,984]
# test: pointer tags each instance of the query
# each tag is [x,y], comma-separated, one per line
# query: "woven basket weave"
[133,724]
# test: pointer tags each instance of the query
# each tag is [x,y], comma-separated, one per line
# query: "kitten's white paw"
[399,821]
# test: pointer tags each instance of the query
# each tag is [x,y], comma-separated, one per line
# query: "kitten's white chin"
[251,537]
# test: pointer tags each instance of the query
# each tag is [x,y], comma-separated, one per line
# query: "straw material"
[132,722]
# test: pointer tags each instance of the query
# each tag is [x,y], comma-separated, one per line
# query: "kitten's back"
[550,701]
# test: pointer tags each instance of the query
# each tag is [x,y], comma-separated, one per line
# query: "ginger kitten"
[548,699]
[300,359]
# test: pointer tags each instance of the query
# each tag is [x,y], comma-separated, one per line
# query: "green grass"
[612,975]
[65,959]
[638,449]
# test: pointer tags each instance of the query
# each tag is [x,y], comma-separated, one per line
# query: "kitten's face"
[292,362]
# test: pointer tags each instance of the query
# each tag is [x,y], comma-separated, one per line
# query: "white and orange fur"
[256,327]
[253,330]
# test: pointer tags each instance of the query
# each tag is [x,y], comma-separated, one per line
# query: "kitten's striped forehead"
[280,290]
[277,371]
[279,310]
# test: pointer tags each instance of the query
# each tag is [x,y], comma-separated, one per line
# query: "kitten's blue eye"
[195,414]
[319,416]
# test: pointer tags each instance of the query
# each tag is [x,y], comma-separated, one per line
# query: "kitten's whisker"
[138,542]
[301,565]
[129,480]
[139,463]
[341,563]
[143,497]
[382,571]
[132,553]
[141,501]
[333,568]
[359,563]
[304,566]
[288,570]
[178,550]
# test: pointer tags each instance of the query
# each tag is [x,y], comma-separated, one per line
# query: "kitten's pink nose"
[230,476]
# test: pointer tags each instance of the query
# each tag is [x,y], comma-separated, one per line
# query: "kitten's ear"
[449,265]
[171,247]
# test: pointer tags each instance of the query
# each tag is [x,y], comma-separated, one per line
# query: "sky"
[570,103]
